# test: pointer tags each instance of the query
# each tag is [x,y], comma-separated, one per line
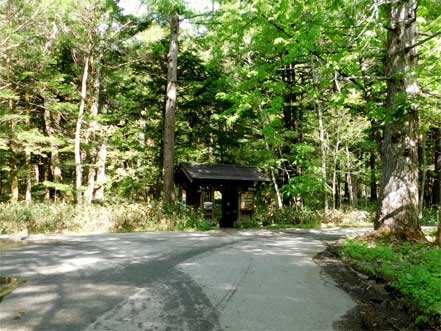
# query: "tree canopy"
[337,101]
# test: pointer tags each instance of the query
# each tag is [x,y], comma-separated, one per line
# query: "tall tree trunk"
[28,195]
[101,172]
[13,172]
[51,122]
[351,180]
[373,177]
[88,194]
[276,189]
[13,176]
[346,195]
[93,125]
[28,156]
[334,173]
[438,232]
[46,170]
[78,166]
[436,190]
[169,116]
[354,190]
[321,128]
[338,187]
[263,120]
[423,176]
[398,206]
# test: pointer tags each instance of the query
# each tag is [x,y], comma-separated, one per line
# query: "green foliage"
[431,216]
[413,269]
[286,217]
[246,95]
[308,187]
[116,217]
[349,217]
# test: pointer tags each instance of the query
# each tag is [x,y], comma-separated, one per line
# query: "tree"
[169,114]
[398,206]
[169,11]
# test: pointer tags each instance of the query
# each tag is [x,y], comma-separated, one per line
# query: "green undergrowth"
[271,217]
[121,217]
[431,216]
[128,217]
[412,269]
[348,217]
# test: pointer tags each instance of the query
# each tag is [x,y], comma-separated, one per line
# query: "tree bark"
[323,152]
[436,190]
[28,155]
[101,172]
[51,122]
[438,232]
[28,195]
[169,116]
[78,166]
[351,180]
[423,176]
[338,187]
[398,206]
[13,172]
[334,172]
[13,176]
[373,177]
[93,126]
[47,192]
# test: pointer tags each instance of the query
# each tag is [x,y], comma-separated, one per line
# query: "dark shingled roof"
[221,172]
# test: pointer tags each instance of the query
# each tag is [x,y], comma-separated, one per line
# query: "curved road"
[221,280]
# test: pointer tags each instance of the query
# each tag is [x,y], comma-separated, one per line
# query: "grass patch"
[414,270]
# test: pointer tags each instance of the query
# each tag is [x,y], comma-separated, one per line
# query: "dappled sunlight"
[75,280]
[282,246]
[72,265]
[58,304]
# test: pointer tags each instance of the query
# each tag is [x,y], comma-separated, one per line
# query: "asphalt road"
[224,280]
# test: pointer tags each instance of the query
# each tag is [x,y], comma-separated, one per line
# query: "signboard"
[208,205]
[246,201]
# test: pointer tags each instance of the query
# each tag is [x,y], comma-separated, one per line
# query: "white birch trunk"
[80,118]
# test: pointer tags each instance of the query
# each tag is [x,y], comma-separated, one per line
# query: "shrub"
[431,216]
[413,269]
[122,217]
[351,217]
[287,216]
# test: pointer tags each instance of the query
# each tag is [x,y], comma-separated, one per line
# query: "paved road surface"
[224,280]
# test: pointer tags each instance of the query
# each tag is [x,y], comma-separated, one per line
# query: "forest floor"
[378,306]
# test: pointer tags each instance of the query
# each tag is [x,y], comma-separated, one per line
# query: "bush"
[287,216]
[351,217]
[122,217]
[413,269]
[431,216]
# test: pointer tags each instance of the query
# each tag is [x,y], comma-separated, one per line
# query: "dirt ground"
[378,307]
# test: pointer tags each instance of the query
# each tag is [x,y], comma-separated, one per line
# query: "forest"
[337,102]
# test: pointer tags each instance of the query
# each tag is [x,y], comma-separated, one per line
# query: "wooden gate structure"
[198,183]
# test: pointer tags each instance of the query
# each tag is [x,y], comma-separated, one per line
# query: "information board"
[246,201]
